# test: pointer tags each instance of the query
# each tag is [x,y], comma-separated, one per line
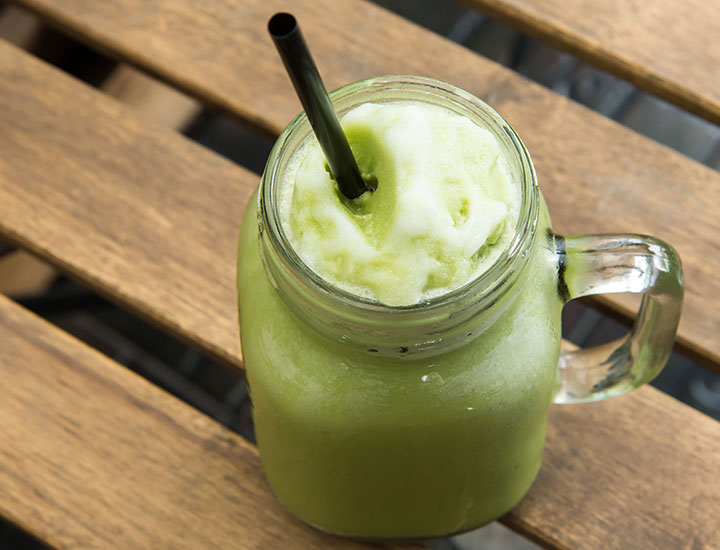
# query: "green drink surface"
[442,209]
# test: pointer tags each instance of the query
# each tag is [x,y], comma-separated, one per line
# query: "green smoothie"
[443,205]
[394,446]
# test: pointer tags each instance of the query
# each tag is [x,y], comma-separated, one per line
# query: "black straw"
[290,44]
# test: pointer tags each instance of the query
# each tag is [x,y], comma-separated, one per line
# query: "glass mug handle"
[606,264]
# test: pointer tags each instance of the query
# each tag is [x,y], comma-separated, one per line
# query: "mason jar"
[386,422]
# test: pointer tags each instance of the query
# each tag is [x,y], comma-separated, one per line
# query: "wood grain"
[666,47]
[151,98]
[19,27]
[22,274]
[132,209]
[150,218]
[640,471]
[596,175]
[94,456]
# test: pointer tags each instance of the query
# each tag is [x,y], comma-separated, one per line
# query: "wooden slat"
[93,456]
[640,471]
[116,204]
[150,98]
[22,274]
[669,48]
[151,219]
[596,175]
[18,26]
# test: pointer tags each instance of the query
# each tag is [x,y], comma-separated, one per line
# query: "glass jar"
[382,422]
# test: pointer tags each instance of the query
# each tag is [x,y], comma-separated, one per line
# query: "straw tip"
[282,25]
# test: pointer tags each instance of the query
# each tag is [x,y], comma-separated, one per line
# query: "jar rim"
[452,317]
[524,228]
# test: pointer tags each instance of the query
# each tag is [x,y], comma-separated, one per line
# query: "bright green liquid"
[376,447]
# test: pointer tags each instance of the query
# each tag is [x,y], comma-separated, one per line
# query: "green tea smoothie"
[442,208]
[405,442]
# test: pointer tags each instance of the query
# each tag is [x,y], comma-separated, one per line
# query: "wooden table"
[92,456]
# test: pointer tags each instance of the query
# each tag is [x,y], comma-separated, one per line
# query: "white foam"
[456,195]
